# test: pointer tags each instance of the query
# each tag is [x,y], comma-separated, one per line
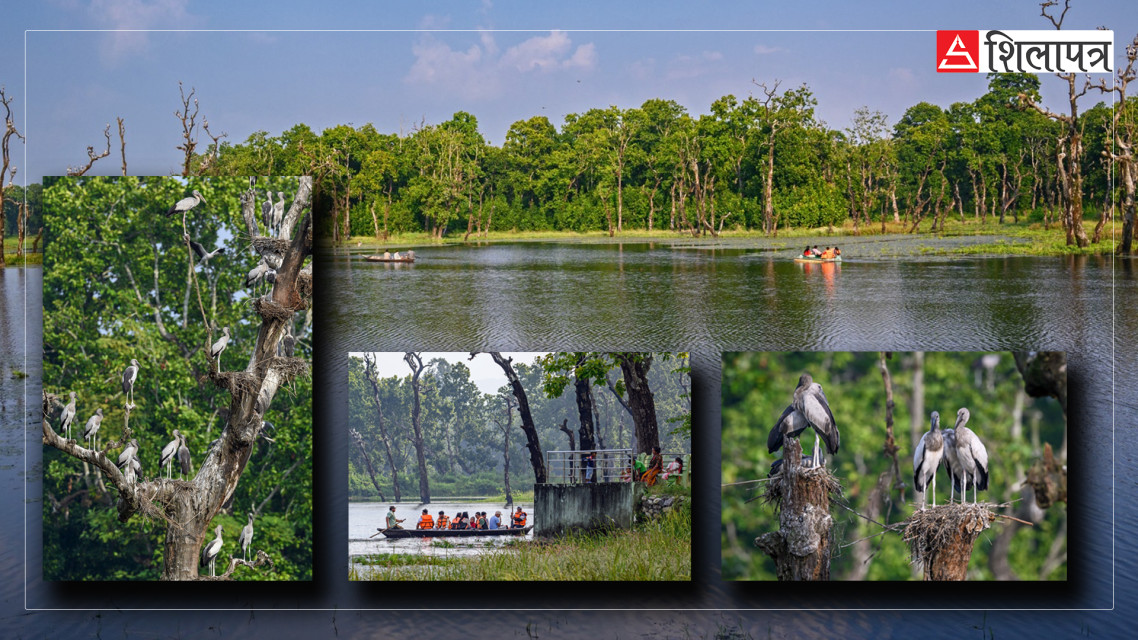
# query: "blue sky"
[501,61]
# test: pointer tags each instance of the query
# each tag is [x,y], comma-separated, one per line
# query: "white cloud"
[136,14]
[762,49]
[479,70]
[903,75]
[693,66]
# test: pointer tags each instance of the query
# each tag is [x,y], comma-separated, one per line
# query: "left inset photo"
[177,398]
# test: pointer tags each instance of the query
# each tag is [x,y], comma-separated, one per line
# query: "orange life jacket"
[426,521]
[519,519]
[443,522]
[828,253]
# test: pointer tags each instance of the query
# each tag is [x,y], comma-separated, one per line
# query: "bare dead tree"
[7,170]
[188,119]
[371,372]
[802,546]
[187,507]
[1071,143]
[210,158]
[504,426]
[415,361]
[359,440]
[122,144]
[532,441]
[92,157]
[1122,127]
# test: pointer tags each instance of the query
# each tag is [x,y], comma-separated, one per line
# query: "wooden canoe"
[451,533]
[382,259]
[818,260]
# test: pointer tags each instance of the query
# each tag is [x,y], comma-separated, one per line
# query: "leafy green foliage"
[115,267]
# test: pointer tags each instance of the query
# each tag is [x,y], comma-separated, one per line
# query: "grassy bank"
[10,257]
[656,550]
[1022,238]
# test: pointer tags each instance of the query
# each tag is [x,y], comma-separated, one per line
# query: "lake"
[365,517]
[738,295]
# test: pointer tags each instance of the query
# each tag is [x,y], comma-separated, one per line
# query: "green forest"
[759,162]
[1014,426]
[469,437]
[121,283]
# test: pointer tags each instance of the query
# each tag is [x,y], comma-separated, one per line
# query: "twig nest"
[817,483]
[269,309]
[262,244]
[941,538]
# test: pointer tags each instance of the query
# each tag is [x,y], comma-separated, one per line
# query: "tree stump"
[801,547]
[941,538]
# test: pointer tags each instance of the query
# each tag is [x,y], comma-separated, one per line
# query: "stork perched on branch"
[129,375]
[91,429]
[185,204]
[211,550]
[219,346]
[68,416]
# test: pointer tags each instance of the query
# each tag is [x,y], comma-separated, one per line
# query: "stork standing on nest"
[185,204]
[184,463]
[972,457]
[809,408]
[278,213]
[211,550]
[267,213]
[68,416]
[926,459]
[951,463]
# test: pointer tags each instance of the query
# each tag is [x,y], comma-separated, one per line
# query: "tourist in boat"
[392,521]
[828,254]
[519,520]
[837,252]
[816,251]
[482,520]
[397,256]
[675,468]
[495,521]
[425,521]
[444,521]
[808,253]
[655,467]
[386,255]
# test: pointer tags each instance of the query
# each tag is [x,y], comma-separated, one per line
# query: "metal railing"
[571,467]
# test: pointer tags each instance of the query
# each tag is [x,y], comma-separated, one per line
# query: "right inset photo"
[894,466]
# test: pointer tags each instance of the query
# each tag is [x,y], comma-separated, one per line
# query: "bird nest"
[269,309]
[265,244]
[289,368]
[304,286]
[235,381]
[930,531]
[817,483]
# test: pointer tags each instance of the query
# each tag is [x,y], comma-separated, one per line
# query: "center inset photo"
[555,466]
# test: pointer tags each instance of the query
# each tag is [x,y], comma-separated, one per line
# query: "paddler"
[392,521]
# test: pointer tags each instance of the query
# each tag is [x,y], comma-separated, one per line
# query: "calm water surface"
[673,296]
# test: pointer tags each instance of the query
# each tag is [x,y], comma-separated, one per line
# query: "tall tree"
[415,361]
[532,441]
[371,371]
[641,403]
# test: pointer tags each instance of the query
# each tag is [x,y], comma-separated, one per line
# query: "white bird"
[219,346]
[91,429]
[184,462]
[972,457]
[203,255]
[128,452]
[185,204]
[68,416]
[278,213]
[166,459]
[951,463]
[926,459]
[129,375]
[211,550]
[246,538]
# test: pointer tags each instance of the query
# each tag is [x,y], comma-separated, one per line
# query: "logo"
[995,51]
[958,51]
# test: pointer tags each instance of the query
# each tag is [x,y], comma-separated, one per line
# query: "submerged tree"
[415,361]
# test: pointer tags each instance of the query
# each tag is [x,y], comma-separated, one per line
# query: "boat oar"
[378,531]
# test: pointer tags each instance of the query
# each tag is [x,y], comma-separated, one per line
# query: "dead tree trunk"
[415,361]
[505,427]
[372,374]
[641,403]
[941,538]
[564,428]
[359,440]
[532,441]
[802,545]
